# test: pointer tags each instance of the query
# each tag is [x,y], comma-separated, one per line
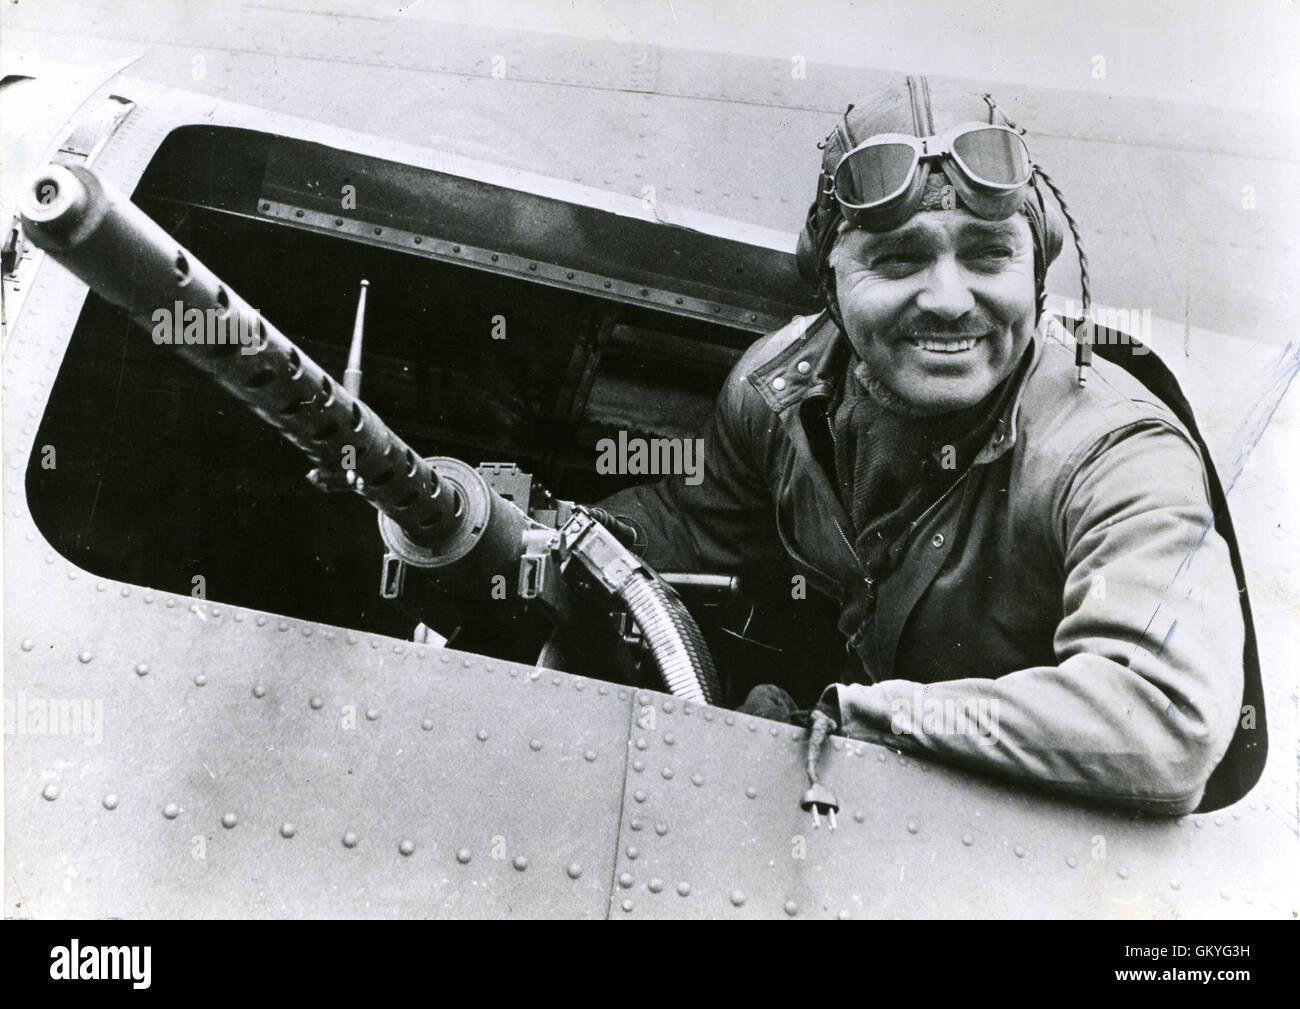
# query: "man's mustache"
[969,325]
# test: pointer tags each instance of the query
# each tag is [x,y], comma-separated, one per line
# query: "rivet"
[100,586]
[730,719]
[569,275]
[641,744]
[607,285]
[684,888]
[261,619]
[655,885]
[200,680]
[85,657]
[937,540]
[751,792]
[913,827]
[697,780]
[625,880]
[574,870]
[1174,884]
[773,731]
[126,590]
[1198,824]
[372,714]
[288,830]
[171,811]
[669,707]
[967,840]
[148,597]
[50,791]
[1218,821]
[589,756]
[481,735]
[1071,861]
[791,908]
[350,840]
[639,795]
[1122,874]
[1020,852]
[532,266]
[627,905]
[661,829]
[636,824]
[406,847]
[633,851]
[110,801]
[535,745]
[669,738]
[708,715]
[283,625]
[27,644]
[228,820]
[737,897]
[495,257]
[142,669]
[803,367]
[259,691]
[638,766]
[306,632]
[667,772]
[463,856]
[316,703]
[778,383]
[881,756]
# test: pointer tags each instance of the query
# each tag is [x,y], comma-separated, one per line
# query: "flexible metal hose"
[673,637]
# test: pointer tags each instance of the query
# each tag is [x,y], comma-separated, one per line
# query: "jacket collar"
[811,364]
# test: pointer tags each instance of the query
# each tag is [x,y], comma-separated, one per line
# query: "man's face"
[941,308]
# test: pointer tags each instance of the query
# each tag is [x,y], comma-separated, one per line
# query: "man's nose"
[945,290]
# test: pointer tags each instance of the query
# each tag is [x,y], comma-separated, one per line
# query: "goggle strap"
[1083,346]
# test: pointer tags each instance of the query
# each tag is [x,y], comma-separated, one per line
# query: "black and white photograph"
[651,459]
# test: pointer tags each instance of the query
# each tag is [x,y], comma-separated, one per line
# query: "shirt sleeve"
[1147,692]
[721,518]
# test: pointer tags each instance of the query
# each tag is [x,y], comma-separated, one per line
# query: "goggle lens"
[874,173]
[998,157]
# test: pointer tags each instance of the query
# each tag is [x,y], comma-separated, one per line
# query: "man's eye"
[896,261]
[993,252]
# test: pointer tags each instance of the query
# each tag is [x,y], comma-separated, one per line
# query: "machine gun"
[439,518]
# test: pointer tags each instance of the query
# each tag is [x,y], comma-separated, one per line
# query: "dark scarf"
[892,464]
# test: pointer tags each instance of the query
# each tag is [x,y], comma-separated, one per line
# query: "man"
[1028,573]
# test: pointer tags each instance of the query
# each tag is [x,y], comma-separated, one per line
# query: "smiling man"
[1026,564]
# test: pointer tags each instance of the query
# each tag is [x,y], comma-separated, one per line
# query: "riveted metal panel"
[713,828]
[257,766]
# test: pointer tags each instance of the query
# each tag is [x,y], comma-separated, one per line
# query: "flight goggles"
[879,183]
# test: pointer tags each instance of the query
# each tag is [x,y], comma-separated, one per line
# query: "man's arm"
[725,521]
[1148,688]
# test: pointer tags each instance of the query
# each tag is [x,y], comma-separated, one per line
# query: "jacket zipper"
[940,500]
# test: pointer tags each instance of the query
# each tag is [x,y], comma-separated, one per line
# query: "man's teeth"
[946,346]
